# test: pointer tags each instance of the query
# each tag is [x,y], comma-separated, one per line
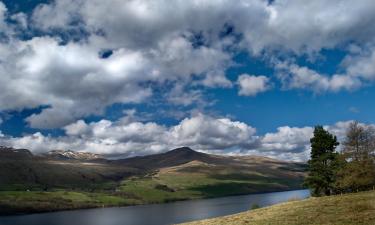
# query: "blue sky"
[247,78]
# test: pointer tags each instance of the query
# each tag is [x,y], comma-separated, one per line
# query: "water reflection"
[170,213]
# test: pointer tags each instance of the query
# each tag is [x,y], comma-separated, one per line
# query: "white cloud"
[46,16]
[251,85]
[216,79]
[287,139]
[208,133]
[77,128]
[288,24]
[361,65]
[71,79]
[293,76]
[75,82]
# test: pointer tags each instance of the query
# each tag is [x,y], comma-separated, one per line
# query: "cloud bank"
[128,137]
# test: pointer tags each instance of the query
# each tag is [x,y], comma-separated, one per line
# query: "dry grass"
[358,208]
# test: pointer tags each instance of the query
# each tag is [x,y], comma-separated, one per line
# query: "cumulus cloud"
[289,24]
[152,43]
[219,135]
[70,79]
[263,26]
[73,81]
[216,79]
[251,85]
[288,139]
[293,76]
[361,64]
[207,133]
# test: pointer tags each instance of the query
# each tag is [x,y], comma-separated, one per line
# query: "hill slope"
[20,170]
[358,208]
[175,175]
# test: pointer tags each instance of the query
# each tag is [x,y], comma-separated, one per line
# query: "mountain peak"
[183,149]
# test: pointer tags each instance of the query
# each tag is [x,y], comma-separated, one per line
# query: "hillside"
[21,170]
[175,175]
[356,208]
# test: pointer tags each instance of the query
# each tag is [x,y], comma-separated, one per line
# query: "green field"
[349,209]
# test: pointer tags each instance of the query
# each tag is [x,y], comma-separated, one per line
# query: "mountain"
[179,174]
[174,157]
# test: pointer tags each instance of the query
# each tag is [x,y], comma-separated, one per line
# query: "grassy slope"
[358,208]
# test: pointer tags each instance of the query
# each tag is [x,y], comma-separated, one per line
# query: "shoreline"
[31,212]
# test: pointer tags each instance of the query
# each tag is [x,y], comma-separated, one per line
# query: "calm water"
[170,213]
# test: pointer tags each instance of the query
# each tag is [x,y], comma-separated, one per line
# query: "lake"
[158,214]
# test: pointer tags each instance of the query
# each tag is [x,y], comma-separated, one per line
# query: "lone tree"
[323,163]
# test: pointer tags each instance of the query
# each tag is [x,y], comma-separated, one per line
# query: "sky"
[138,77]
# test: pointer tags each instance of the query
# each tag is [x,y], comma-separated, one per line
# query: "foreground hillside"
[357,208]
[67,180]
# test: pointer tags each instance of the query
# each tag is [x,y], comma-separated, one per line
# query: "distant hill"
[179,174]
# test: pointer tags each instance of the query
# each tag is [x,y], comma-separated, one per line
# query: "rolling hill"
[175,175]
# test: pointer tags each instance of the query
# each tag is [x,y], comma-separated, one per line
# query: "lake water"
[158,214]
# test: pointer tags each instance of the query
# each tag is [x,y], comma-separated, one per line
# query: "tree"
[358,172]
[359,142]
[323,163]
